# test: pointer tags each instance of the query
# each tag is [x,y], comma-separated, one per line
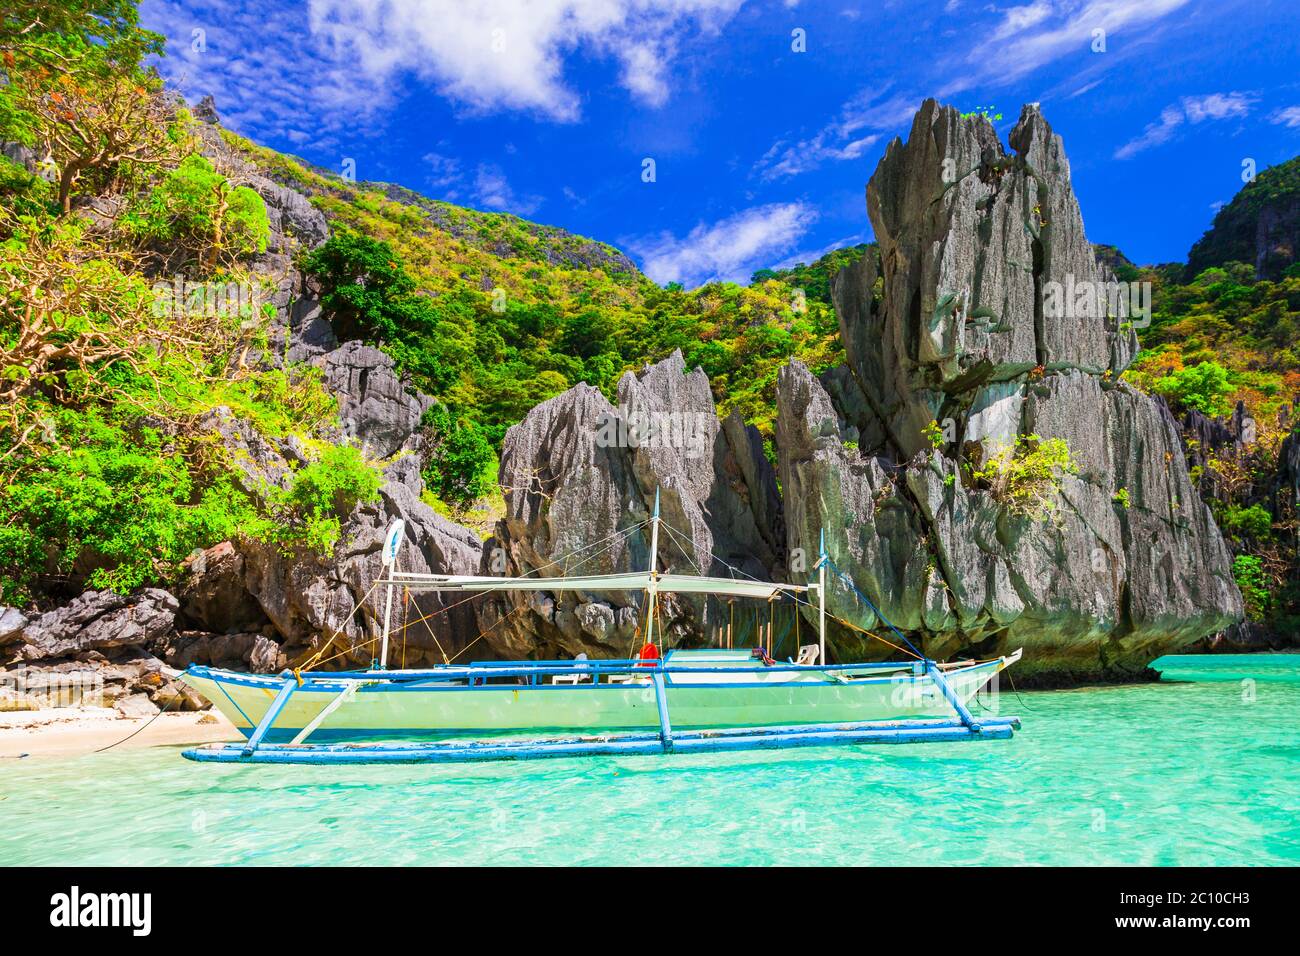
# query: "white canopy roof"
[633,581]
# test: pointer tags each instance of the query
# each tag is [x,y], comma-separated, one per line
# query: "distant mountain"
[1261,226]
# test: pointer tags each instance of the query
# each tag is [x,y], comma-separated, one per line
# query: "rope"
[871,604]
[138,729]
[315,658]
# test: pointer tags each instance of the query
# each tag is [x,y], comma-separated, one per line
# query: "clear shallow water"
[1204,773]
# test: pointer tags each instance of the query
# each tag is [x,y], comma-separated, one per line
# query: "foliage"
[1248,571]
[1121,498]
[43,40]
[1204,387]
[1026,476]
[815,279]
[491,355]
[112,396]
[200,209]
[66,309]
[1233,235]
[321,492]
[88,123]
[459,463]
[1237,521]
[119,504]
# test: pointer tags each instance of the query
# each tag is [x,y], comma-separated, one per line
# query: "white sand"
[71,731]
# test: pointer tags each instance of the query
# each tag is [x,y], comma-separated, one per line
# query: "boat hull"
[412,709]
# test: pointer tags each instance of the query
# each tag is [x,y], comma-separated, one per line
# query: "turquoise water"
[1204,773]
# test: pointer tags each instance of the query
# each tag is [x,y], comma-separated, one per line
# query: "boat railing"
[479,672]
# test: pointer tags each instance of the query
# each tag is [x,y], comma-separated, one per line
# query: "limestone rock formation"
[376,408]
[94,651]
[578,472]
[984,326]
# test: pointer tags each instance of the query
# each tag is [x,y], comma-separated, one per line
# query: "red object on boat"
[648,652]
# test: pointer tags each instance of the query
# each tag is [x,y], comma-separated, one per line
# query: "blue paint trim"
[386,684]
[406,736]
[686,742]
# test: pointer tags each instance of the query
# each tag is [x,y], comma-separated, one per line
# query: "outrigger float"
[719,699]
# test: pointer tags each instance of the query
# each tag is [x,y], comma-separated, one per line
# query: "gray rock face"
[255,653]
[99,620]
[579,472]
[205,111]
[213,595]
[972,240]
[1286,489]
[12,623]
[375,406]
[291,213]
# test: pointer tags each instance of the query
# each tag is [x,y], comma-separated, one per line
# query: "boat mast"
[388,611]
[654,563]
[821,598]
[389,558]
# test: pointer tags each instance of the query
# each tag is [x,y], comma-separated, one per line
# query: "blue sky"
[550,108]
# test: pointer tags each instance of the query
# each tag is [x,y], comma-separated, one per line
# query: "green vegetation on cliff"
[1260,225]
[1227,338]
[112,393]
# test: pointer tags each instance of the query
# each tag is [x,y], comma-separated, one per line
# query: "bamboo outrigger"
[717,699]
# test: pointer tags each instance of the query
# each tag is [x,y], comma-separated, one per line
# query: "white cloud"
[807,256]
[510,54]
[1190,109]
[728,250]
[792,159]
[306,74]
[237,51]
[1018,19]
[839,139]
[1289,117]
[444,171]
[493,191]
[1036,34]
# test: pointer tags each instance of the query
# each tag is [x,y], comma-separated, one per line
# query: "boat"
[683,700]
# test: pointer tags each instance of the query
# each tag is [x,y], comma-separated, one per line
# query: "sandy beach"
[73,731]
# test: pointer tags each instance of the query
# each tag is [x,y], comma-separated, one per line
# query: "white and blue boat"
[686,700]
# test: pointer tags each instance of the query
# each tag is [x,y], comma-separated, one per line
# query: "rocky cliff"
[580,476]
[248,604]
[973,242]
